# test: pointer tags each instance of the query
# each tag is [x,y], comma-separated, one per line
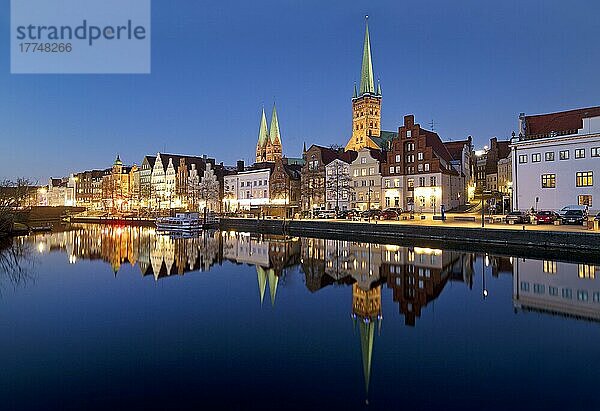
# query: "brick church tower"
[366,104]
[269,148]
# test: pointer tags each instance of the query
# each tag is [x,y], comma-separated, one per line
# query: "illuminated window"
[550,267]
[585,200]
[522,159]
[586,271]
[584,179]
[580,153]
[595,151]
[564,155]
[549,156]
[548,180]
[536,158]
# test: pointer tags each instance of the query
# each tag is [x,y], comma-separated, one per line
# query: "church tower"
[263,138]
[269,148]
[274,153]
[366,103]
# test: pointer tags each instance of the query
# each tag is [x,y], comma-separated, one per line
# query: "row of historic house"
[549,164]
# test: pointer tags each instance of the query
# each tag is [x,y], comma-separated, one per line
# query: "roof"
[151,160]
[433,140]
[200,162]
[455,148]
[384,138]
[294,171]
[367,84]
[559,123]
[295,161]
[327,154]
[263,132]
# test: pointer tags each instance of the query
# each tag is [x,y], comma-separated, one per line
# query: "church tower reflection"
[366,312]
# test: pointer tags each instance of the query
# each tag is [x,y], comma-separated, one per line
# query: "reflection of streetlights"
[484,262]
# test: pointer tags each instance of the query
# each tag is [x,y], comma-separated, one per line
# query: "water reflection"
[557,288]
[414,276]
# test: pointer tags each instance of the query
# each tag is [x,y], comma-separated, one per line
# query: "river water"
[105,317]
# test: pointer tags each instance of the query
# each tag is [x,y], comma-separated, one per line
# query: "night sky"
[470,66]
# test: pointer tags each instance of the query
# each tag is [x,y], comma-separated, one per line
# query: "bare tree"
[15,261]
[14,197]
[339,183]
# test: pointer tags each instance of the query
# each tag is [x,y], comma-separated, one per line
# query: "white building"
[246,190]
[365,171]
[338,182]
[554,160]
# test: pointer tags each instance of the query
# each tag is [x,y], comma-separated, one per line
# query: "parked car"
[390,214]
[372,214]
[325,214]
[573,217]
[342,214]
[597,217]
[563,210]
[517,217]
[354,214]
[546,217]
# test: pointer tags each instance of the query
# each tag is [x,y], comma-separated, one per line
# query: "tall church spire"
[274,134]
[263,133]
[367,83]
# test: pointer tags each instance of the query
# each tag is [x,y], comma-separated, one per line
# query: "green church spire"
[274,134]
[263,133]
[367,84]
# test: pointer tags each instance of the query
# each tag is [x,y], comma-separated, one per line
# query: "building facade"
[248,190]
[418,175]
[338,182]
[365,171]
[555,159]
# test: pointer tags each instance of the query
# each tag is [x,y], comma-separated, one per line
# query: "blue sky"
[471,66]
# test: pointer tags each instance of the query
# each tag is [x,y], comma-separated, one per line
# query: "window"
[387,183]
[409,146]
[524,286]
[398,157]
[408,133]
[392,170]
[420,167]
[426,166]
[549,156]
[580,153]
[421,181]
[584,179]
[584,200]
[371,171]
[595,152]
[433,181]
[396,183]
[363,160]
[550,267]
[548,180]
[363,171]
[536,158]
[564,155]
[356,172]
[410,183]
[410,158]
[522,159]
[567,293]
[586,271]
[419,156]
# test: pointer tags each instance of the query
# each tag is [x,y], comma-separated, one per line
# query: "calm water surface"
[102,317]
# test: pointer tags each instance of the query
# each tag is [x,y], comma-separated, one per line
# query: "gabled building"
[284,188]
[338,182]
[462,155]
[366,107]
[313,185]
[365,171]
[418,174]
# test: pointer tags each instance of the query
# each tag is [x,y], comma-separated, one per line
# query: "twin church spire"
[268,148]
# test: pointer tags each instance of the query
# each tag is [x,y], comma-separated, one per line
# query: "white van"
[563,210]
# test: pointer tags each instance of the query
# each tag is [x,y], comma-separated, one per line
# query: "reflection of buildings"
[570,290]
[156,255]
[271,255]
